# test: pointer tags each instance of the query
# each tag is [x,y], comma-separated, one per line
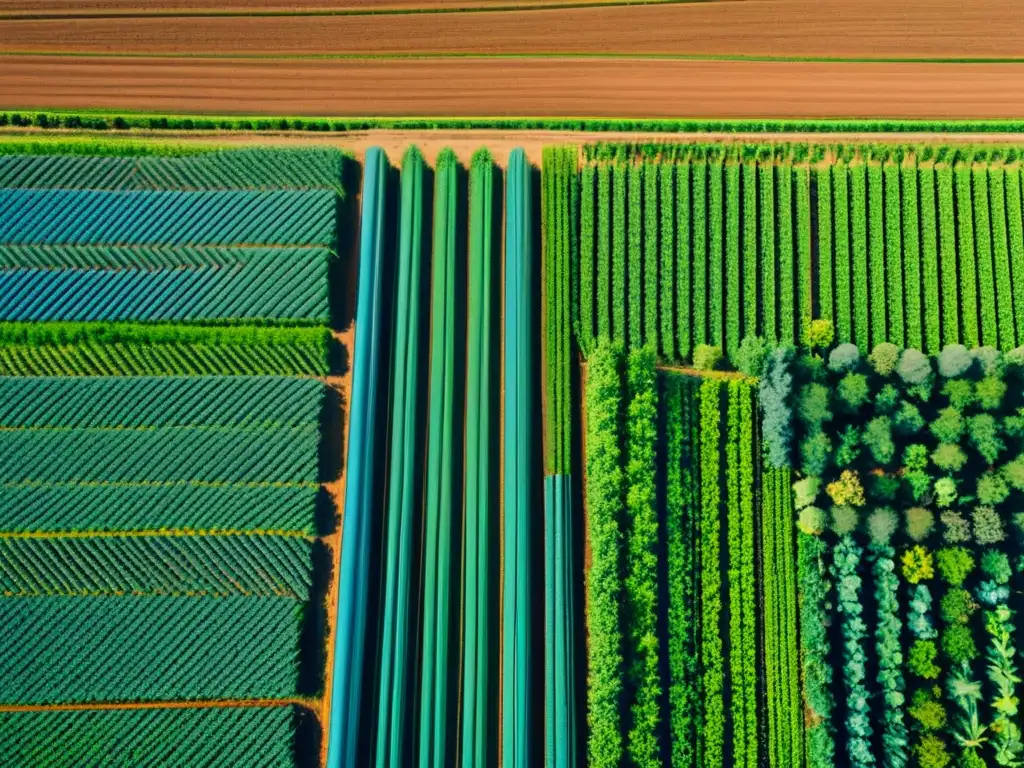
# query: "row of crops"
[441,565]
[688,245]
[161,498]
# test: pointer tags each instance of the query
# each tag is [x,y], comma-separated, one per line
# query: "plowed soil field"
[571,87]
[782,28]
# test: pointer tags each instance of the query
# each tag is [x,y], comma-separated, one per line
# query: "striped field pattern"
[211,454]
[170,738]
[86,649]
[267,283]
[184,505]
[158,402]
[54,217]
[307,168]
[218,566]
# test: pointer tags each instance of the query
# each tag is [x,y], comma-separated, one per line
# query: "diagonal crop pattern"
[194,566]
[86,649]
[255,168]
[169,737]
[65,403]
[211,454]
[168,218]
[180,505]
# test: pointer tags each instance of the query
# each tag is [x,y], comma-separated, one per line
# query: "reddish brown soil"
[909,28]
[608,88]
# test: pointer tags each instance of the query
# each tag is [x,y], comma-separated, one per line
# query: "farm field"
[655,453]
[573,87]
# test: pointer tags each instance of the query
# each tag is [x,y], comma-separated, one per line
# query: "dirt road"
[535,87]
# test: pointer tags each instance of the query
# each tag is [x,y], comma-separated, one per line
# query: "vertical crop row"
[684,273]
[816,674]
[618,299]
[652,287]
[733,312]
[353,569]
[911,258]
[603,303]
[930,260]
[519,464]
[847,563]
[983,254]
[951,321]
[1001,254]
[716,255]
[785,711]
[403,496]
[479,478]
[751,326]
[769,298]
[828,267]
[559,634]
[804,268]
[967,308]
[877,298]
[712,649]
[669,237]
[894,256]
[859,240]
[634,271]
[1015,220]
[742,598]
[786,251]
[699,270]
[604,498]
[682,484]
[438,503]
[586,268]
[643,652]
[841,242]
[558,180]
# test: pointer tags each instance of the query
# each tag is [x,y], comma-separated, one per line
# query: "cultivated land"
[570,87]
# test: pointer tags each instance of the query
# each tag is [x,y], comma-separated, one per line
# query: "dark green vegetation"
[734,249]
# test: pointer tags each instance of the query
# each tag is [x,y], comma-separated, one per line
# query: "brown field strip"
[119,8]
[779,28]
[535,87]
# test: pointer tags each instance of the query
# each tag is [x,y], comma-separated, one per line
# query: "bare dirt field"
[533,87]
[781,28]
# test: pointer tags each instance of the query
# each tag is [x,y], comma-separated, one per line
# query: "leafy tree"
[1013,473]
[945,491]
[844,519]
[849,446]
[954,360]
[813,405]
[847,490]
[908,419]
[707,357]
[931,752]
[917,564]
[919,619]
[992,489]
[958,644]
[927,711]
[984,435]
[996,565]
[751,356]
[921,659]
[805,491]
[914,367]
[960,393]
[815,451]
[990,360]
[920,522]
[920,483]
[774,389]
[819,334]
[990,391]
[956,529]
[948,426]
[955,564]
[887,399]
[884,357]
[853,390]
[988,527]
[878,439]
[949,457]
[844,358]
[956,606]
[811,520]
[915,456]
[882,525]
[885,486]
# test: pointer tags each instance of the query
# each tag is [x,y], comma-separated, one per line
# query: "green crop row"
[815,647]
[178,738]
[643,650]
[604,499]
